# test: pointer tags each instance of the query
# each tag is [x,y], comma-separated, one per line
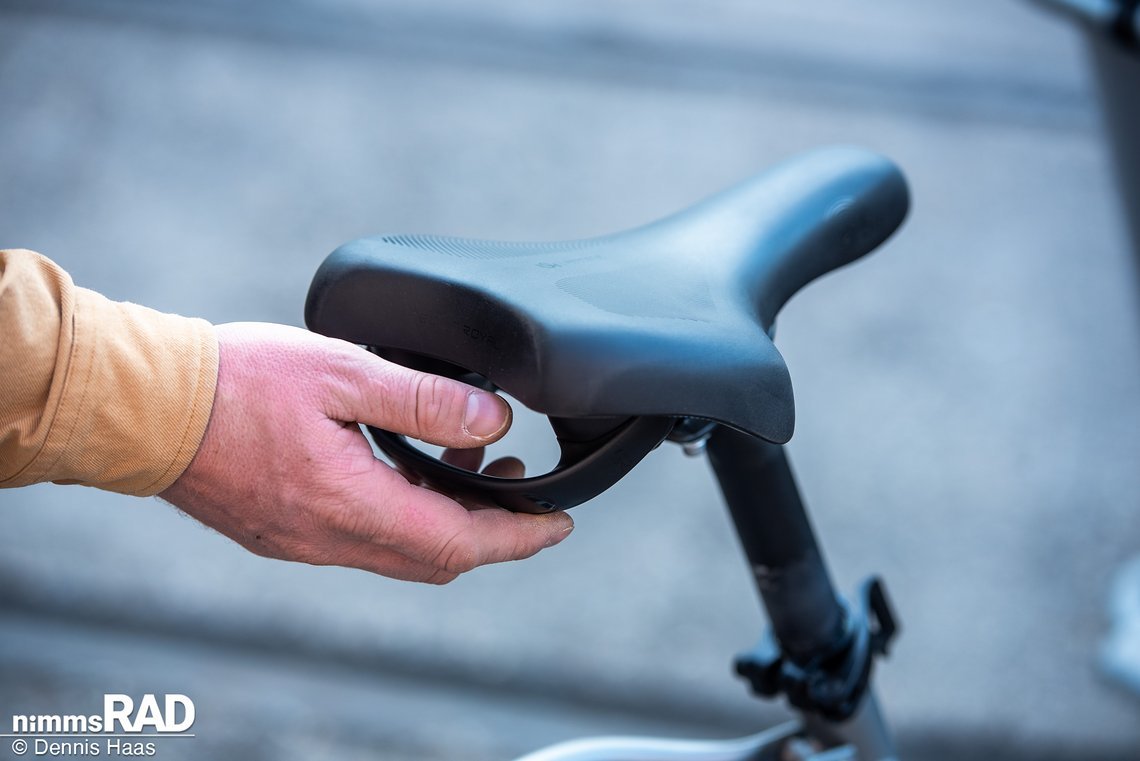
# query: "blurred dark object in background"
[1113,31]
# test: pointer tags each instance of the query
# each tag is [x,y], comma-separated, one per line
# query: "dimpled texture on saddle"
[669,319]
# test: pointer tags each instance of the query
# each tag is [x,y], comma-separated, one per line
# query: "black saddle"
[670,320]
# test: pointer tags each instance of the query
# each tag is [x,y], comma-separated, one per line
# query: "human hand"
[284,470]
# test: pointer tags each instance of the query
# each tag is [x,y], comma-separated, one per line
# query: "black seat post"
[805,612]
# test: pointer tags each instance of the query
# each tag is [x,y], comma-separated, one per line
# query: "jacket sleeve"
[93,391]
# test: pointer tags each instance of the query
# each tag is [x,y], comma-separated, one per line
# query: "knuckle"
[433,402]
[457,555]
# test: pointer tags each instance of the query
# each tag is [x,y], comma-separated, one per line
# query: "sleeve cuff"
[137,398]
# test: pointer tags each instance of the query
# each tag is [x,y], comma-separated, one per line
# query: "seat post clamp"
[834,683]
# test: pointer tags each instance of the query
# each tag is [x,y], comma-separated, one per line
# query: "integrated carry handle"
[584,470]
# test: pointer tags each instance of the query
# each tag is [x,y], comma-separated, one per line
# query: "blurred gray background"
[967,397]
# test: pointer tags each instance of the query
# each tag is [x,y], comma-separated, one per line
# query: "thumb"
[427,407]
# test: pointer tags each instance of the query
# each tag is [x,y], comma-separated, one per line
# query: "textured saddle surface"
[669,319]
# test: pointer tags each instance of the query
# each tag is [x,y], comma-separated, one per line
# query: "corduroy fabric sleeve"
[93,391]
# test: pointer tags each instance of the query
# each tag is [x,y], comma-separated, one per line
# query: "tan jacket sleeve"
[94,391]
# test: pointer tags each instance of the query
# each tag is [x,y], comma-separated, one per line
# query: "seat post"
[819,650]
[806,615]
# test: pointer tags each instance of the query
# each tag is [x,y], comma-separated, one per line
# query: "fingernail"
[559,536]
[486,414]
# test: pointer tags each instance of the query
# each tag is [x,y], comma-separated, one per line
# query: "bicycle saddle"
[615,338]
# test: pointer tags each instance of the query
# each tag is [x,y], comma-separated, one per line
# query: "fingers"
[432,530]
[457,540]
[427,407]
[390,563]
[506,467]
[465,459]
[470,460]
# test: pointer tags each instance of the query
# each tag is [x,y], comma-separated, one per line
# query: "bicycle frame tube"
[806,613]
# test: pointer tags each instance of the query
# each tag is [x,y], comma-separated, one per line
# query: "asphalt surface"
[967,397]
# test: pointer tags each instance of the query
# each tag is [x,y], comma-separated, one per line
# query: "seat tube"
[756,479]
